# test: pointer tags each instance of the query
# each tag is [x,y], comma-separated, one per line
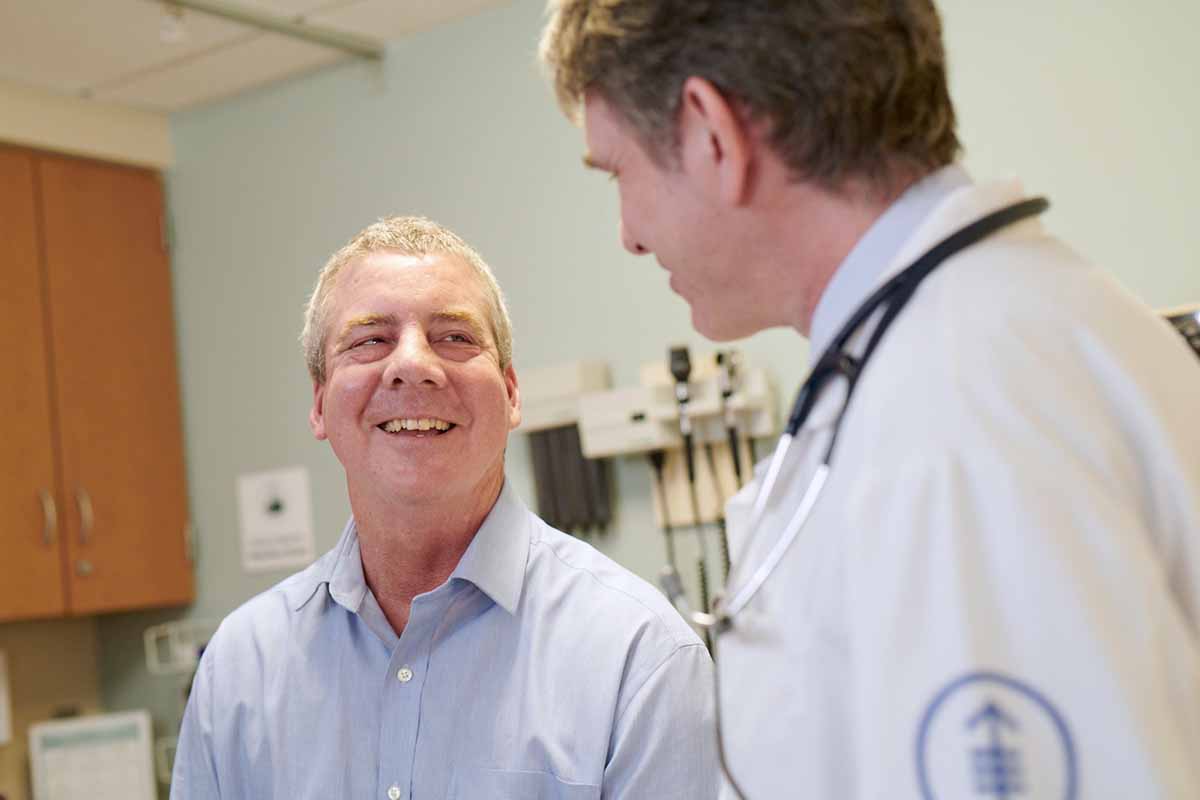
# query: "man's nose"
[413,362]
[631,244]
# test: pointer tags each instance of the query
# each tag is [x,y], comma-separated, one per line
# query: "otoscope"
[726,375]
[712,468]
[681,369]
[657,459]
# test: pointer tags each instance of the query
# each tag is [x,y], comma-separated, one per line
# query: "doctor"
[996,593]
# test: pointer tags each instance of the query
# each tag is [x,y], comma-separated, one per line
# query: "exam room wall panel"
[457,124]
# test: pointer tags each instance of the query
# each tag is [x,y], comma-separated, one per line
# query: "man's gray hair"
[411,236]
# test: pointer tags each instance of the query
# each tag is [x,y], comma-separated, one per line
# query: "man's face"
[414,402]
[670,212]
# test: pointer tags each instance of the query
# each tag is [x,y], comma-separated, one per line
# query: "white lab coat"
[999,589]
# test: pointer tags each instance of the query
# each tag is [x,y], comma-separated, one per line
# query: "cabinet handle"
[189,543]
[86,518]
[49,518]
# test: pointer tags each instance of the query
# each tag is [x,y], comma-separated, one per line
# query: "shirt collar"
[874,252]
[340,569]
[496,559]
[494,562]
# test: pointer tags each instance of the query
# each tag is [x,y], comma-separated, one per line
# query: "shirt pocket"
[481,783]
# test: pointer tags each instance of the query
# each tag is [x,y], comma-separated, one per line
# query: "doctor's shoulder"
[1022,328]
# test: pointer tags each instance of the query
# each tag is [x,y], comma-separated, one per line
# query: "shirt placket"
[408,670]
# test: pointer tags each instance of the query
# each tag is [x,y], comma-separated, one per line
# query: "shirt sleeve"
[1013,632]
[663,742]
[195,774]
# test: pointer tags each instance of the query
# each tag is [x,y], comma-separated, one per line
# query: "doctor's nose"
[630,243]
[413,363]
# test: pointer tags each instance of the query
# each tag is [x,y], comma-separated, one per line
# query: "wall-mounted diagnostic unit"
[574,491]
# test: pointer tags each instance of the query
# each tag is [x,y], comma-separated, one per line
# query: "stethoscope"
[889,300]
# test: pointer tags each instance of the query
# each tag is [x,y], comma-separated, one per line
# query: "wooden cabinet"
[93,504]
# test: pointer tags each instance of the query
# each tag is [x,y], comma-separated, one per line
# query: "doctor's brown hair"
[848,88]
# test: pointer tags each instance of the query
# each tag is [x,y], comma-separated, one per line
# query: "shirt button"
[404,675]
[394,793]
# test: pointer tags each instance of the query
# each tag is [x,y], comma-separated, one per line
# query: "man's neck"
[409,548]
[797,233]
[848,214]
[874,254]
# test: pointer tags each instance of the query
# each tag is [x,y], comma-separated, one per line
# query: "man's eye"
[370,341]
[457,337]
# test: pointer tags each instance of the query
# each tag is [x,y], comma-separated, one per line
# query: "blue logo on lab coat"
[986,736]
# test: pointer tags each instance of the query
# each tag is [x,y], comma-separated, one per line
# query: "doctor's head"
[409,346]
[711,113]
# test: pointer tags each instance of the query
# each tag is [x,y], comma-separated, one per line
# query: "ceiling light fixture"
[172,30]
[295,27]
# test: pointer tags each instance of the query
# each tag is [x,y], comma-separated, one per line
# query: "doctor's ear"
[716,143]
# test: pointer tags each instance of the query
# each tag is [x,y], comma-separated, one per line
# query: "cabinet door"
[31,583]
[117,390]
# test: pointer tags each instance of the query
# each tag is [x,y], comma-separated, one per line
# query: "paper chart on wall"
[101,757]
[276,517]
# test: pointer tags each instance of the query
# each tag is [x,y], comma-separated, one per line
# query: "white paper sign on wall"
[276,515]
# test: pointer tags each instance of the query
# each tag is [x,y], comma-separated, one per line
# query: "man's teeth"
[425,424]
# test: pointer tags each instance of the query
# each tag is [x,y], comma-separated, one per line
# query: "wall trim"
[50,121]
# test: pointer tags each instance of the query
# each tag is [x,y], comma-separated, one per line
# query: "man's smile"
[418,425]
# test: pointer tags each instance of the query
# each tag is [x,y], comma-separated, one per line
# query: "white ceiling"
[114,50]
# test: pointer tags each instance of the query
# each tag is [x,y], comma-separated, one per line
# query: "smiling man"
[451,645]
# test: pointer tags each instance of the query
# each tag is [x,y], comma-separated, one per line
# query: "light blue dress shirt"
[539,669]
[863,267]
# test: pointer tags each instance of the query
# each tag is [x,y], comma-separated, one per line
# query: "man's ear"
[316,416]
[716,144]
[514,397]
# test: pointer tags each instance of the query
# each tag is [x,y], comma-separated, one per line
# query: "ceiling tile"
[262,59]
[114,50]
[69,45]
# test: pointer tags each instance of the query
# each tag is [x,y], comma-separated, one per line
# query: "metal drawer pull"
[86,518]
[49,518]
[189,542]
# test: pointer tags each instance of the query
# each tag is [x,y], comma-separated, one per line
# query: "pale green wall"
[1095,106]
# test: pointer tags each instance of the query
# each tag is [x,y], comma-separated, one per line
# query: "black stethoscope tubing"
[896,293]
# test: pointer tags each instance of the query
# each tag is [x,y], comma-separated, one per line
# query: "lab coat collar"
[929,211]
[874,253]
[956,211]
